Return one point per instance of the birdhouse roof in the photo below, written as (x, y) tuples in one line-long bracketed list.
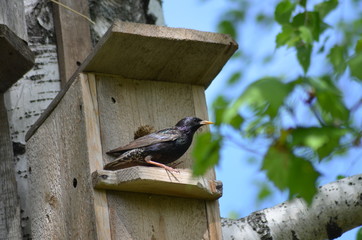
[(158, 53)]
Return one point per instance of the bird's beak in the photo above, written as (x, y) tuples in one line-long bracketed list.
[(205, 122)]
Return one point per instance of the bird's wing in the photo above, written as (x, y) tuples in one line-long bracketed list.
[(164, 135)]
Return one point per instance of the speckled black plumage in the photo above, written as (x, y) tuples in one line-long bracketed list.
[(159, 148)]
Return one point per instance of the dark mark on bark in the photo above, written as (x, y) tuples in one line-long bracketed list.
[(18, 148), (258, 222), (333, 230), (294, 235)]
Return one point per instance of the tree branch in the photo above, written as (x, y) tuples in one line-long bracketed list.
[(336, 208)]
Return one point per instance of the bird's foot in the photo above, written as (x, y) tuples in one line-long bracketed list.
[(170, 169)]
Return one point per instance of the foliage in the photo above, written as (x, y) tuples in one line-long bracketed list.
[(264, 108), (359, 234)]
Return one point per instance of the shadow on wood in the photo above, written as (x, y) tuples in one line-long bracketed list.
[(16, 58)]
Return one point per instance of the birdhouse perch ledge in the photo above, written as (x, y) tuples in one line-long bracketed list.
[(158, 181)]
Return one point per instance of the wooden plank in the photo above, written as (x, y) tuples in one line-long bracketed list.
[(148, 216), (212, 207), (73, 36), (12, 14), (157, 181), (94, 147), (16, 58), (142, 51), (61, 193), (9, 203)]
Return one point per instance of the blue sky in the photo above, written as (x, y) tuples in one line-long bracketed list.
[(240, 178)]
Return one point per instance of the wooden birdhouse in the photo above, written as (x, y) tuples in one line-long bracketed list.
[(137, 75)]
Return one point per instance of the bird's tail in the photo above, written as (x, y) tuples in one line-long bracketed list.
[(119, 164)]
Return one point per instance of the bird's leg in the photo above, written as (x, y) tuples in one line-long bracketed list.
[(149, 161), (175, 164)]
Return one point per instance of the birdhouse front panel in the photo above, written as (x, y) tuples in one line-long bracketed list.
[(126, 104)]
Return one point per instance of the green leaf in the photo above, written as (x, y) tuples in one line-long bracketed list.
[(236, 121), (325, 7), (227, 27), (219, 106), (339, 177), (337, 56), (266, 95), (322, 140), (205, 152), (306, 34), (288, 37), (359, 234), (277, 163), (233, 215), (355, 64), (304, 52), (283, 12), (234, 77), (358, 47), (287, 171), (329, 101), (311, 21), (235, 15), (226, 113), (264, 192), (303, 3), (303, 179), (259, 126)]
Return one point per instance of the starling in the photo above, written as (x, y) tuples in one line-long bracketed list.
[(158, 148)]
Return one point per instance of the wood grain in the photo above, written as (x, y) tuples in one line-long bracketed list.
[(126, 104), (61, 193), (9, 203), (94, 152), (148, 216), (157, 53), (154, 53), (73, 36), (212, 207), (156, 181), (89, 95)]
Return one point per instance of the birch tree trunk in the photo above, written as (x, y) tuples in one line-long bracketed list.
[(336, 209), (30, 96)]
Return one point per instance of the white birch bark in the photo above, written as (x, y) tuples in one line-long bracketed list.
[(336, 208)]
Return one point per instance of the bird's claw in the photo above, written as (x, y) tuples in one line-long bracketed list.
[(170, 169)]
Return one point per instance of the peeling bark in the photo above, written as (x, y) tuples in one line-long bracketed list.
[(104, 12), (335, 209)]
